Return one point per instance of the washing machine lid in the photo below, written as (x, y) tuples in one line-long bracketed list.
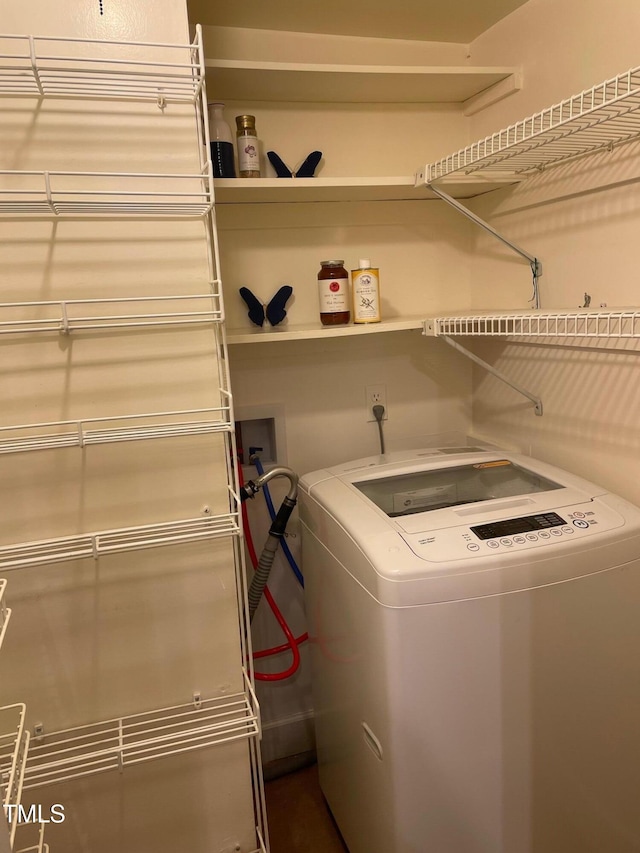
[(487, 523), (425, 494), (427, 490)]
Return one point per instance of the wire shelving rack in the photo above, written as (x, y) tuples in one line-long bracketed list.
[(82, 68), (92, 69), (603, 116), (86, 315), (540, 324), (550, 327), (99, 543), (107, 194), (25, 836), (96, 70), (109, 430)]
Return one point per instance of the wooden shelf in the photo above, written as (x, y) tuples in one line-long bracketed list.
[(241, 80), (308, 331), (294, 190)]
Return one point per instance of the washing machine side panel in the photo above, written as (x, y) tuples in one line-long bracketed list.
[(459, 695), (350, 676), (515, 719), (585, 712)]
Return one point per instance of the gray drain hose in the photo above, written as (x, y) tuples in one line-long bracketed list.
[(261, 574), (276, 531)]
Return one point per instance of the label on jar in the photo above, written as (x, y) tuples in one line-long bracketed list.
[(334, 295), (366, 296), (248, 154)]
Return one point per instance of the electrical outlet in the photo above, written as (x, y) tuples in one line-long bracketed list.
[(376, 395)]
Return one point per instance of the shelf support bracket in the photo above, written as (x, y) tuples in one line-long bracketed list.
[(537, 402), (534, 263)]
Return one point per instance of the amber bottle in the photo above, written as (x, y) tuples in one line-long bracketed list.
[(333, 293)]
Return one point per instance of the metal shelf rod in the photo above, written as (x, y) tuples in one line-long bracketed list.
[(5, 612), (537, 402), (534, 263)]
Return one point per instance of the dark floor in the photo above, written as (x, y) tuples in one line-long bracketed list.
[(299, 820)]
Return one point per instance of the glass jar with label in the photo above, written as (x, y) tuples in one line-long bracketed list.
[(333, 293)]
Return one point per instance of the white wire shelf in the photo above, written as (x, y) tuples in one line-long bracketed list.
[(112, 745), (40, 847), (83, 545), (81, 433), (5, 612), (81, 315), (262, 848), (25, 836), (548, 324), (605, 115), (14, 745), (87, 194), (91, 68)]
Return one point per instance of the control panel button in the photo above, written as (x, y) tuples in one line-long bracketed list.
[(519, 540), (555, 532), (473, 547), (567, 529), (578, 522), (506, 541), (578, 515), (532, 537), (545, 535), (493, 543)]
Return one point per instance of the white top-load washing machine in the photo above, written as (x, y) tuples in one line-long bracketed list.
[(475, 626)]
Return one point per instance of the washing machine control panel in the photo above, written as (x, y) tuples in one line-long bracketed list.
[(540, 529), (513, 526)]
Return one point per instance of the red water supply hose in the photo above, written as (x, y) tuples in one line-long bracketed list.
[(292, 642)]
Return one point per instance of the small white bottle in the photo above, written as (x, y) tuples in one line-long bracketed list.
[(365, 289)]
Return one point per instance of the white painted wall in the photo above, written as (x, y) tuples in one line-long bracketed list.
[(582, 220)]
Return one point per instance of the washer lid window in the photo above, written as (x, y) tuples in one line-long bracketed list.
[(423, 491)]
